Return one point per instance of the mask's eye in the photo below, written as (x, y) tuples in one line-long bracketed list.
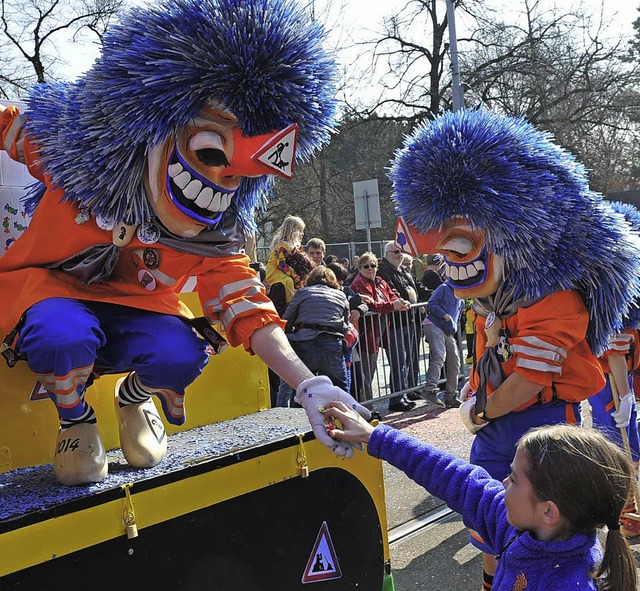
[(209, 148), (210, 157), (458, 245)]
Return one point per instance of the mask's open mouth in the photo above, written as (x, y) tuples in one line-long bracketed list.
[(193, 194), (468, 274)]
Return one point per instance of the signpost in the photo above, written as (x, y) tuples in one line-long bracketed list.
[(367, 203)]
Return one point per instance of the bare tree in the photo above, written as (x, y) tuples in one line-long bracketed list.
[(560, 71), (410, 61), (30, 30)]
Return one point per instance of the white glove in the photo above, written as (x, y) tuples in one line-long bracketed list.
[(466, 408), (315, 393), (622, 416), (465, 392)]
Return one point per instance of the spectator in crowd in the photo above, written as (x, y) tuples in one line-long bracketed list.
[(316, 250), (432, 276), (330, 258), (564, 484), (377, 294), (301, 265), (407, 263), (402, 329), (357, 309), (286, 241), (317, 321), (352, 270), (344, 261), (440, 327)]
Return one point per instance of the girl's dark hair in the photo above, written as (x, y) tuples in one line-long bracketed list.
[(589, 478), (322, 275), (338, 270)]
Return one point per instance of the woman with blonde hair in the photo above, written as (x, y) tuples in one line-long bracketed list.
[(287, 241)]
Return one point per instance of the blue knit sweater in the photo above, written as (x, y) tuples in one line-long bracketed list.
[(469, 490)]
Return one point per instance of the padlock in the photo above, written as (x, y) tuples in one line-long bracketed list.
[(132, 531), (304, 471)]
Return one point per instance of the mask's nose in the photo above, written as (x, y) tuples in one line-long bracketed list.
[(271, 153)]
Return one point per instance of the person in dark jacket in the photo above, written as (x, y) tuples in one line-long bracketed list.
[(317, 321), (403, 326), (357, 309), (439, 328)]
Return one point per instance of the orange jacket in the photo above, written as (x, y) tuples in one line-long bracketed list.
[(229, 289), (626, 343), (548, 346)]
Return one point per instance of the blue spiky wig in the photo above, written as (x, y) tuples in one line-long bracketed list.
[(632, 216), (261, 59), (532, 201)]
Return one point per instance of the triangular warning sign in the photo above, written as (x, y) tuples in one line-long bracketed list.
[(404, 237), (323, 562), (279, 152), (38, 392)]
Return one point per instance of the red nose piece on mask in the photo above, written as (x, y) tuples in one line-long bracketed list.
[(271, 153), (415, 243)]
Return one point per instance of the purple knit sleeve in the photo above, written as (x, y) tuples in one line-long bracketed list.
[(467, 489)]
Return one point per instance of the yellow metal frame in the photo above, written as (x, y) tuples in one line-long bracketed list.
[(74, 531)]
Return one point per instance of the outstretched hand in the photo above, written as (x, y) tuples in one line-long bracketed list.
[(318, 393), (348, 424)]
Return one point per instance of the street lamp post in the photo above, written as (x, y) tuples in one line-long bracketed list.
[(456, 87)]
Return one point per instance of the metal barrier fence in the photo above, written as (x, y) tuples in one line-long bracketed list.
[(391, 357)]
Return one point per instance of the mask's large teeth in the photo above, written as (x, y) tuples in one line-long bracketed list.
[(175, 169), (226, 200), (471, 271), (205, 198), (462, 273), (215, 202), (453, 273), (182, 180), (192, 190), (479, 265)]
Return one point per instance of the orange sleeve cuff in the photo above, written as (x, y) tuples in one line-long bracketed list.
[(241, 329)]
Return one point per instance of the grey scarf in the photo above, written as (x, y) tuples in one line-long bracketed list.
[(98, 262), (495, 307)]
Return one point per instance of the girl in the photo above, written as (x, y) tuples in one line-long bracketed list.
[(287, 240), (541, 522)]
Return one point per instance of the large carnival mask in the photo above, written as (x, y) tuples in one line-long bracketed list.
[(472, 271), (193, 178)]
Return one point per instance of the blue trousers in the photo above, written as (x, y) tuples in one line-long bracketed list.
[(63, 339)]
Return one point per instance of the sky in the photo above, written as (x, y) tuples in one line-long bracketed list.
[(356, 20)]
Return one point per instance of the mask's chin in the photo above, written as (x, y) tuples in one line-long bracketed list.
[(183, 200)]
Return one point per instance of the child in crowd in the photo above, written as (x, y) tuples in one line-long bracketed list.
[(287, 240), (541, 522)]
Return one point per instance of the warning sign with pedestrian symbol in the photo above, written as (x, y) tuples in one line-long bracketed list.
[(323, 562)]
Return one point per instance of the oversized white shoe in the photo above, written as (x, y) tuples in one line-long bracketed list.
[(143, 438), (79, 457)]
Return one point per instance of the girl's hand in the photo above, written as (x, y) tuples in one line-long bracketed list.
[(355, 429)]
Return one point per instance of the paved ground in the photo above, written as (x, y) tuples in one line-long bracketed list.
[(440, 558)]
